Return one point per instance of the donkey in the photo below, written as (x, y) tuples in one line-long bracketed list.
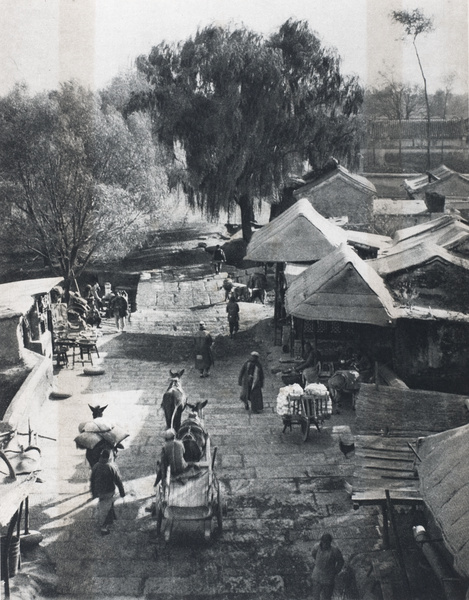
[(174, 401), (93, 454), (192, 433)]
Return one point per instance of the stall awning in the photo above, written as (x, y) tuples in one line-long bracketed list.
[(341, 287)]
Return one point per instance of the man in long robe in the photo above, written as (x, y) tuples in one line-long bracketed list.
[(251, 380)]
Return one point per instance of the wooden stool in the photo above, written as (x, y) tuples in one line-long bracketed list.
[(86, 348), (61, 354)]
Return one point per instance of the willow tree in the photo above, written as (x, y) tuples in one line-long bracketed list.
[(241, 107)]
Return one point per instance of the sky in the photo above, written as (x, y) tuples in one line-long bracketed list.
[(44, 42)]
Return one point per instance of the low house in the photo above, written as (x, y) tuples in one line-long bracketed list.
[(447, 231), (432, 334), (441, 180), (337, 193)]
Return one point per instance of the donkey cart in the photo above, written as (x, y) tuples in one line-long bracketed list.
[(192, 497), (306, 410)]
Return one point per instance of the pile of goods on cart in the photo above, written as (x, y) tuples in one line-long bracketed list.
[(304, 407)]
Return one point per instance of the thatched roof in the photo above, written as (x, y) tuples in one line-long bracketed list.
[(300, 234), (341, 287), (16, 298), (402, 258), (444, 485)]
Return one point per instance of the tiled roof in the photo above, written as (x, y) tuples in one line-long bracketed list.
[(338, 171), (426, 181), (413, 256)]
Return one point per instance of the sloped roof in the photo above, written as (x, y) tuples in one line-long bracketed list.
[(368, 240), (341, 287), (292, 270), (428, 180), (401, 258), (444, 486), (300, 234), (389, 206), (444, 231), (338, 171), (16, 298)]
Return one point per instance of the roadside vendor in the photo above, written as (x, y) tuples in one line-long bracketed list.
[(311, 366)]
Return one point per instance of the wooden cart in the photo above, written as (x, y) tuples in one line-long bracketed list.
[(306, 410), (181, 499)]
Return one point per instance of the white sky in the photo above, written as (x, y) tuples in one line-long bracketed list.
[(43, 42)]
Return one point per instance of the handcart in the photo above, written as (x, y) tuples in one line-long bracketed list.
[(188, 498), (306, 410)]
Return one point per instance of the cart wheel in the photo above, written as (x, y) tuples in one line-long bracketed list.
[(219, 510), (305, 429), (159, 520), (208, 529)]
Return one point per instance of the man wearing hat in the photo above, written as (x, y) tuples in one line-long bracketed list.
[(203, 351), (172, 455), (251, 380), (105, 477)]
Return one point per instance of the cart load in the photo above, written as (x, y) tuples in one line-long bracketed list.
[(307, 407)]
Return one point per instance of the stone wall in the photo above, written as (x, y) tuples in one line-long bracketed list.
[(26, 403)]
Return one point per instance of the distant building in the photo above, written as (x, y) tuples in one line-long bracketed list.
[(394, 146)]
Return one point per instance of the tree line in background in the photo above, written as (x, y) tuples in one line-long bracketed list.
[(400, 101)]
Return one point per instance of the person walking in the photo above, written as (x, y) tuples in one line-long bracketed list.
[(219, 258), (227, 286), (203, 350), (105, 477), (232, 308), (251, 380), (119, 308), (328, 562)]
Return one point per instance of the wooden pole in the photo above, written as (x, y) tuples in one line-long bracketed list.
[(400, 554)]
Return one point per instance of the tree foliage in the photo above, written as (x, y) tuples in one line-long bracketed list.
[(79, 181), (244, 109)]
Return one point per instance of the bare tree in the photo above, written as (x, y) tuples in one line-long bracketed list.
[(416, 23)]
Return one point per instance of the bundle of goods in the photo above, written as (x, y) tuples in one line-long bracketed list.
[(319, 393), (286, 397)]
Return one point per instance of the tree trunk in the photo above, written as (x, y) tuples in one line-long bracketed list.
[(247, 216)]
